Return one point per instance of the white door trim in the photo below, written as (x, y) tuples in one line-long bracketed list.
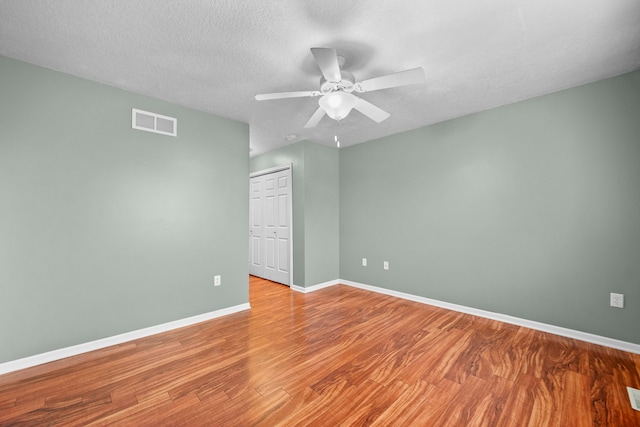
[(270, 170), (275, 169)]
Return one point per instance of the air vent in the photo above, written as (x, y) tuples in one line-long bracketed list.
[(634, 396), (152, 122)]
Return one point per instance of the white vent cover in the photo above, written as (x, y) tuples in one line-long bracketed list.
[(152, 122), (634, 396)]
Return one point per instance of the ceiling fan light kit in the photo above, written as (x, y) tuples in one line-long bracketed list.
[(337, 104), (336, 87)]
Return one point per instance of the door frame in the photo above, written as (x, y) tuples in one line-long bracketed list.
[(289, 168)]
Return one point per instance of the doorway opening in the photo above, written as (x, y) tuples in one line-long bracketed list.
[(270, 225)]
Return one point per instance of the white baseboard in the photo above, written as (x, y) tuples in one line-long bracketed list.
[(556, 330), (62, 353), (315, 287)]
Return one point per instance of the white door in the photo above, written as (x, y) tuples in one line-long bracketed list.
[(270, 226)]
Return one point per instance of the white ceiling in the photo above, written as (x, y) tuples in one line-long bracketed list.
[(215, 56)]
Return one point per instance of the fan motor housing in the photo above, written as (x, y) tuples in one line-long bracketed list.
[(346, 84)]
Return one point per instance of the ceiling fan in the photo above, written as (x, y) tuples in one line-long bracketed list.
[(337, 87)]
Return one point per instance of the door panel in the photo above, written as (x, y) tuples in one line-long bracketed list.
[(270, 211), (283, 256), (255, 228), (283, 182), (256, 249), (269, 183), (256, 217), (270, 261), (283, 212)]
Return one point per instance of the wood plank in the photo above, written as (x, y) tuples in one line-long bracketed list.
[(576, 401), (406, 408)]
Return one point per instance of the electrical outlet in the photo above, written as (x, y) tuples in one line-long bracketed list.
[(386, 265), (364, 262), (217, 281), (617, 300)]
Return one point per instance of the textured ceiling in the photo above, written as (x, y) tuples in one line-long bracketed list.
[(215, 56)]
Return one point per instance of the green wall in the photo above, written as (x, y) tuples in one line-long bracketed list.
[(315, 208), (105, 229), (322, 213), (530, 210)]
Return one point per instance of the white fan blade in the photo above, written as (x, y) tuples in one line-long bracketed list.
[(315, 119), (281, 95), (403, 78), (368, 109), (327, 60)]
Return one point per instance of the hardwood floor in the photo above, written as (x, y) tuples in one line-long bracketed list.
[(337, 356)]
